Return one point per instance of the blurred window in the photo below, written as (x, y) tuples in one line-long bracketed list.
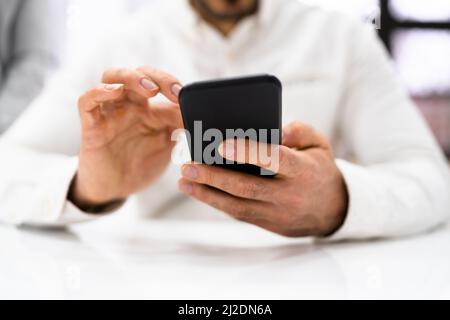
[(419, 10), (417, 33), (423, 60)]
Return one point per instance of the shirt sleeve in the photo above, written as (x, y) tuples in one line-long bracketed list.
[(399, 181), (33, 55), (39, 153), (39, 161), (36, 188)]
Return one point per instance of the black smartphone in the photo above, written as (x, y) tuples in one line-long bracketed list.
[(238, 108)]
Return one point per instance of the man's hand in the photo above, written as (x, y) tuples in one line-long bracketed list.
[(307, 198), (126, 142)]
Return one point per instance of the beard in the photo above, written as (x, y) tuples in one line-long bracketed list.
[(235, 10)]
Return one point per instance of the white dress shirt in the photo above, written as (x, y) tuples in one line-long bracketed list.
[(336, 77)]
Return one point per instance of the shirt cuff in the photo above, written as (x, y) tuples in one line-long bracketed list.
[(72, 214), (361, 221), (56, 210)]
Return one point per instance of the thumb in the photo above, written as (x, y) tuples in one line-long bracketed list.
[(300, 136)]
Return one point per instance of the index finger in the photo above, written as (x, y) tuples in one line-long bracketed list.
[(169, 85), (234, 183), (133, 80), (103, 93), (278, 159)]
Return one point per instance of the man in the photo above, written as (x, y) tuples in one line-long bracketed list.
[(26, 54), (374, 169)]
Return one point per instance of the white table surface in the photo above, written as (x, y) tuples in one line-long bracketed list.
[(119, 257)]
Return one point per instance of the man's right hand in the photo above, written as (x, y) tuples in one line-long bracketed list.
[(126, 141)]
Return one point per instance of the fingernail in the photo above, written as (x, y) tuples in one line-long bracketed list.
[(228, 150), (113, 87), (148, 85), (190, 172), (186, 188), (176, 89)]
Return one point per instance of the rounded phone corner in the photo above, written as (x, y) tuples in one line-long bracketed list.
[(274, 80), (182, 94)]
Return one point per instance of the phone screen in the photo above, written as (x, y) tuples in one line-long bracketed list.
[(247, 108)]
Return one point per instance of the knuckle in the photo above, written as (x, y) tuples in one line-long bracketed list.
[(208, 176), (199, 192), (298, 126), (162, 76), (142, 68), (85, 97), (146, 69), (114, 72), (215, 204), (167, 78), (81, 100), (226, 184), (239, 212), (107, 74), (250, 189), (123, 73)]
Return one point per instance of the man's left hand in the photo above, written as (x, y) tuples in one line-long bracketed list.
[(308, 197)]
